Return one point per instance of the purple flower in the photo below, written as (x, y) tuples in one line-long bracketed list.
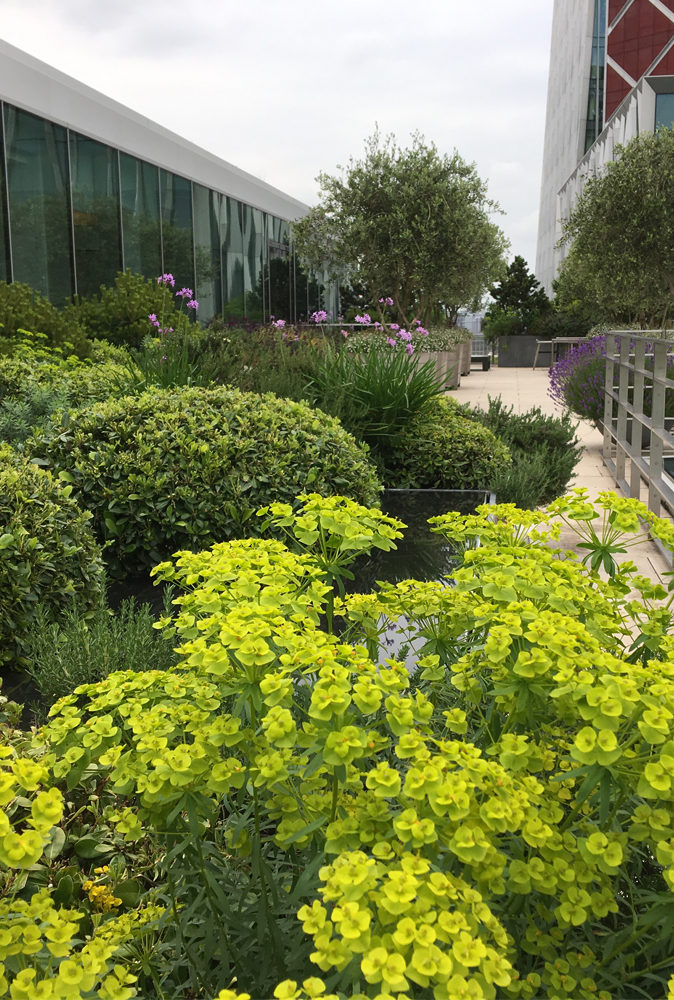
[(422, 331), (391, 341), (365, 318), (153, 319), (193, 304), (410, 348), (395, 326), (279, 324), (405, 335), (185, 293), (319, 316), (388, 301), (166, 279), (345, 333)]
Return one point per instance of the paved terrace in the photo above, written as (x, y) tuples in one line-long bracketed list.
[(523, 388)]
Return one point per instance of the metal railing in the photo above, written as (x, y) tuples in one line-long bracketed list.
[(638, 442)]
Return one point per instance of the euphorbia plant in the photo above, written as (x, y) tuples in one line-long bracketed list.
[(499, 824)]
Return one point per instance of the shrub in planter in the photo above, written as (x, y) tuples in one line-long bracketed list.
[(22, 308), (443, 449), (577, 380), (181, 468), (544, 450), (498, 824), (120, 313), (48, 555)]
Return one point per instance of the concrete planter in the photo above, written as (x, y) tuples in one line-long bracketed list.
[(517, 352), (447, 365), (464, 357)]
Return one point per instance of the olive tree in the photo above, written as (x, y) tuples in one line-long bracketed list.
[(411, 224), (621, 236)]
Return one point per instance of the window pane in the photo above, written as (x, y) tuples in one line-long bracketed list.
[(176, 228), (664, 111), (39, 204), (232, 257), (140, 216), (253, 274), (94, 176), (280, 269), (207, 251), (5, 273)]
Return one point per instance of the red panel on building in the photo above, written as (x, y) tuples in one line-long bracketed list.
[(638, 38), (666, 65), (616, 90), (614, 7)]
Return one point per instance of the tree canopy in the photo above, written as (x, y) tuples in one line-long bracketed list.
[(406, 223), (621, 236)]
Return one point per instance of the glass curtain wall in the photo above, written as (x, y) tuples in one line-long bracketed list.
[(141, 222), (231, 223), (94, 178), (176, 228), (5, 266), (595, 97), (38, 188), (74, 212)]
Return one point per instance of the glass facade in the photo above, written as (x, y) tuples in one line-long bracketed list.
[(75, 211), (38, 203), (595, 98)]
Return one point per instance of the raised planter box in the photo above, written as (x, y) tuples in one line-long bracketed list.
[(447, 365), (517, 352)]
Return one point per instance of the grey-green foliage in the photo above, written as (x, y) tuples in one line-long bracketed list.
[(544, 450), (82, 649), (621, 236), (407, 223)]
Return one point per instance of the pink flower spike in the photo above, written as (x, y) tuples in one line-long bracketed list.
[(391, 341), (410, 348)]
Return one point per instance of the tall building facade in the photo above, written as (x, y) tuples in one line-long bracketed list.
[(89, 188), (611, 78)]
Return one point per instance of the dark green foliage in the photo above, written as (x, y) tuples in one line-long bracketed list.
[(182, 468), (519, 303), (544, 449), (81, 649), (442, 449), (48, 556), (22, 308), (375, 395), (120, 314)]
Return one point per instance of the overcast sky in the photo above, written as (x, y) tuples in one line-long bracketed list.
[(287, 89)]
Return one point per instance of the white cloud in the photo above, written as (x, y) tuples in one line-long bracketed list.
[(285, 90)]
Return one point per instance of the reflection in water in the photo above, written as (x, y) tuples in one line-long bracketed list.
[(421, 555)]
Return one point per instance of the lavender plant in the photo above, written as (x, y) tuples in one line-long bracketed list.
[(577, 379)]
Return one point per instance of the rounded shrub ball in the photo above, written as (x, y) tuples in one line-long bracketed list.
[(48, 555), (442, 449), (183, 468)]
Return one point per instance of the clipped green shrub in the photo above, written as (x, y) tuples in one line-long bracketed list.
[(48, 555), (181, 468), (22, 308), (120, 313), (442, 449)]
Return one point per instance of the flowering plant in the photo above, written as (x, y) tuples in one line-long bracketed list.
[(498, 824), (577, 380), (165, 357)]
